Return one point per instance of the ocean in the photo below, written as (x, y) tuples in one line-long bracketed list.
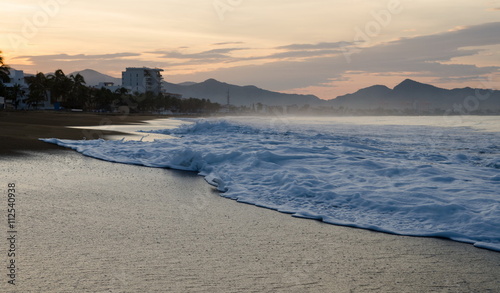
[(420, 176)]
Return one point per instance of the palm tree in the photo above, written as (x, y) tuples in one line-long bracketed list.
[(14, 93), (102, 99), (79, 92), (38, 86), (4, 76), (60, 86), (4, 70), (78, 80)]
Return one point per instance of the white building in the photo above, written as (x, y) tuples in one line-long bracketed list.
[(16, 77), (142, 79)]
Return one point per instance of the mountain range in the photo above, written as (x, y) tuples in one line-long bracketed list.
[(215, 91), (409, 94), (93, 78), (414, 95), (218, 91)]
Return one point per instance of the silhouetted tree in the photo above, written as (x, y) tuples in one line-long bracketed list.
[(121, 91), (14, 93), (4, 70), (79, 96), (4, 75), (60, 86), (38, 87), (102, 99), (147, 101)]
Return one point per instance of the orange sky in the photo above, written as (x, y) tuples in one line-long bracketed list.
[(326, 48)]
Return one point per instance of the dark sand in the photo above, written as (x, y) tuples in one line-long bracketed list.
[(86, 225), (19, 131)]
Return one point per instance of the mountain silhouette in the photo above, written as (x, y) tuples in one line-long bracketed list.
[(414, 95), (367, 98), (217, 91), (409, 94), (93, 78)]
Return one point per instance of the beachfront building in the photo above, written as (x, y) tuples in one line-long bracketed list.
[(16, 77), (142, 79), (18, 92)]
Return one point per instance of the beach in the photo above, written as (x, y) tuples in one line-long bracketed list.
[(86, 225), (21, 129)]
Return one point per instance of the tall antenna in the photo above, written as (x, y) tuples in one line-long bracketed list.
[(228, 99)]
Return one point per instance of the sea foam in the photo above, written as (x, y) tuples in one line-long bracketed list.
[(408, 180)]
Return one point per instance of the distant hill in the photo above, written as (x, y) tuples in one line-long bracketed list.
[(367, 98), (187, 83), (414, 95), (93, 78), (217, 91), (409, 94)]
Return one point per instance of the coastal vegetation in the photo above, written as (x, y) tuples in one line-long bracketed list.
[(72, 92), (60, 91), (4, 75)]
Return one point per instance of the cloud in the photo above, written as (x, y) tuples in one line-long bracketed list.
[(59, 57), (288, 52), (293, 55), (292, 66), (442, 46), (318, 46), (222, 53), (428, 55), (477, 78), (301, 51), (105, 63), (227, 43)]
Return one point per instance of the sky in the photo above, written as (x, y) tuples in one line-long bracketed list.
[(322, 47)]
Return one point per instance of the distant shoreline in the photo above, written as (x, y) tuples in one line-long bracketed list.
[(93, 226), (22, 129)]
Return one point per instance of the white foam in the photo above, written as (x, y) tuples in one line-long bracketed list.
[(403, 179)]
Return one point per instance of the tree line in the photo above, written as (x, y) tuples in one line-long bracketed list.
[(71, 92), (4, 76)]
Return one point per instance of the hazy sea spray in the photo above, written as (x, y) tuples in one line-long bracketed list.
[(397, 179)]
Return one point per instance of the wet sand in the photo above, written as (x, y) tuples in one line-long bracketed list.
[(19, 131), (86, 225)]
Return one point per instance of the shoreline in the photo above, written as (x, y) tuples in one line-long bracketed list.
[(21, 130), (87, 225), (470, 241)]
